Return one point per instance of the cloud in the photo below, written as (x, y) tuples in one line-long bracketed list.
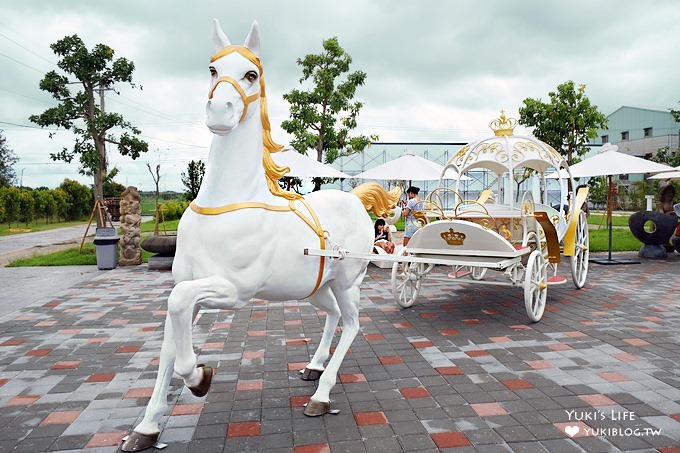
[(437, 70)]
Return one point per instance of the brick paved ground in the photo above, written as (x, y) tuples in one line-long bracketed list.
[(462, 369)]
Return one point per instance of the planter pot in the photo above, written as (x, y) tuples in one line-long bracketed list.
[(164, 248), (161, 245)]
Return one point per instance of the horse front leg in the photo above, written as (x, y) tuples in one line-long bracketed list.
[(348, 302), (325, 300), (177, 351), (146, 433), (182, 306)]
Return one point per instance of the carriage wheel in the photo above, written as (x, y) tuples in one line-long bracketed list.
[(478, 273), (535, 285), (579, 262), (406, 280)]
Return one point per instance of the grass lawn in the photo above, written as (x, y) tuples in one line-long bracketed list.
[(39, 225), (170, 225), (622, 240), (68, 257), (601, 219)]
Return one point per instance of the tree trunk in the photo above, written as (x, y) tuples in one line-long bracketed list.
[(319, 157), (99, 181)]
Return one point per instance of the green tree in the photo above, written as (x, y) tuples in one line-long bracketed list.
[(7, 159), (78, 199), (61, 203), (10, 204), (193, 178), (322, 117), (676, 114), (664, 156), (567, 122), (45, 204), (95, 71), (26, 206), (598, 190), (112, 189)]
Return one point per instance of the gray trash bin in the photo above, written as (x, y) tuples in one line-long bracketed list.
[(106, 244)]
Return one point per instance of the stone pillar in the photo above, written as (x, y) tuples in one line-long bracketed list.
[(130, 228), (650, 200)]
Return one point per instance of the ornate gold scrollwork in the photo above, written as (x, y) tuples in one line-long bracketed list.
[(427, 209), (528, 207), (435, 199), (505, 232), (467, 207)]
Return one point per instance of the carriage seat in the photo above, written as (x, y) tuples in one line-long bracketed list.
[(381, 263)]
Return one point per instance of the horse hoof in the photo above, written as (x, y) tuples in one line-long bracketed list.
[(311, 375), (138, 442), (202, 388), (316, 408)]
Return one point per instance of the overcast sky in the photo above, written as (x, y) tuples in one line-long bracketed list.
[(437, 70)]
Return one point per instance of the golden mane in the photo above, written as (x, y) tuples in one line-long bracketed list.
[(272, 171), (376, 199)]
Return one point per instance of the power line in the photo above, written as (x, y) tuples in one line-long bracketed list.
[(147, 109), (22, 63), (150, 109), (28, 50), (22, 95), (27, 126)]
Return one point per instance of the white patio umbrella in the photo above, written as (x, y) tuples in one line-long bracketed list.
[(409, 167), (609, 162), (670, 175), (304, 166)]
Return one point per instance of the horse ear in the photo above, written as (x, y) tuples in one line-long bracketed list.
[(220, 40), (253, 39)]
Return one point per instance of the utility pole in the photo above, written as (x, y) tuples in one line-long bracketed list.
[(100, 144), (101, 90)]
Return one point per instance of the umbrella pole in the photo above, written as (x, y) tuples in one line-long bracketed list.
[(610, 201), (610, 207)]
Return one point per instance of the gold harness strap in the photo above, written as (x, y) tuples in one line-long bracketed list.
[(270, 167), (314, 223), (246, 99)]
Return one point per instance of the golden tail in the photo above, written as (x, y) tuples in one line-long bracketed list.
[(376, 199)]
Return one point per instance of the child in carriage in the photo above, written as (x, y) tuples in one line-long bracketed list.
[(383, 238)]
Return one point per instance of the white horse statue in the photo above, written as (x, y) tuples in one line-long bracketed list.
[(244, 238)]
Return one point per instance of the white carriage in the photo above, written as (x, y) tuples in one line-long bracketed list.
[(522, 241)]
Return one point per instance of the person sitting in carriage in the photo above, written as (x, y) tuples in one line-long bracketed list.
[(383, 237)]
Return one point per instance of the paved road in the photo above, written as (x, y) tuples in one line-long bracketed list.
[(23, 286), (18, 245)]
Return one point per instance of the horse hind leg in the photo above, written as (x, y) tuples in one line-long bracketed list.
[(348, 303), (324, 299)]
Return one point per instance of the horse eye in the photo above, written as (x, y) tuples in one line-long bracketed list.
[(251, 76), (213, 72)]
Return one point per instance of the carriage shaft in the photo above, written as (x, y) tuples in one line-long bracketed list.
[(446, 260)]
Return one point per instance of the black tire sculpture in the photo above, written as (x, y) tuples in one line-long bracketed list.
[(660, 228)]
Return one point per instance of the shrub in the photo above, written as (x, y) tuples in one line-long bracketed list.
[(26, 207), (80, 199), (173, 210), (10, 205)]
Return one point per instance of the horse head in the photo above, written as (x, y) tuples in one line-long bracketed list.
[(235, 81)]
